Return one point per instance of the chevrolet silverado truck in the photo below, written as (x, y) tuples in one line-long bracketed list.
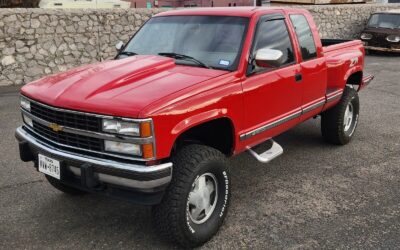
[(156, 124)]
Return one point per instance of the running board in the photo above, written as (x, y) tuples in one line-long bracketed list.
[(267, 156)]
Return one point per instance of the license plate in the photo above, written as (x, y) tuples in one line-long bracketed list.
[(49, 166)]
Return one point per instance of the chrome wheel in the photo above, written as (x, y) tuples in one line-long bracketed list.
[(348, 117), (203, 198)]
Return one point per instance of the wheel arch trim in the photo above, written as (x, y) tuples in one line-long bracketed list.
[(201, 119)]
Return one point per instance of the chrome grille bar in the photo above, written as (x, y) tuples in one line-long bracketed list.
[(74, 138)]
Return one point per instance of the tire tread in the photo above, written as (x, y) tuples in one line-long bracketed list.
[(332, 119), (185, 162)]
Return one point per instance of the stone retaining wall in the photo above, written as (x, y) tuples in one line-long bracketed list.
[(37, 42)]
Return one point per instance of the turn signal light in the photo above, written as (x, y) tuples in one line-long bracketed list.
[(145, 129), (147, 151)]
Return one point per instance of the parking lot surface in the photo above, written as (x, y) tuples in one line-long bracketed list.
[(314, 196)]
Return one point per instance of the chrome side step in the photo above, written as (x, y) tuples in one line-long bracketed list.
[(267, 156)]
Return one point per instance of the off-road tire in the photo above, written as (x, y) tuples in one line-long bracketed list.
[(332, 120), (171, 217), (64, 188)]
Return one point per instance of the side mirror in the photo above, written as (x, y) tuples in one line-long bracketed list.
[(269, 57), (119, 45)]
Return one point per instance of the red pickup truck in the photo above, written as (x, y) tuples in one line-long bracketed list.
[(191, 88)]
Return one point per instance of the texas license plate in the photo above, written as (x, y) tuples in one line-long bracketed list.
[(49, 166)]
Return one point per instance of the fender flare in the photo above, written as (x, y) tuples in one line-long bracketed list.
[(354, 62), (202, 119), (350, 72), (198, 119)]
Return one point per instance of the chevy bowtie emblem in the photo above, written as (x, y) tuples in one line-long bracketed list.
[(55, 127)]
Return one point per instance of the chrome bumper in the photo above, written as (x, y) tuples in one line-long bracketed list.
[(382, 49), (137, 176)]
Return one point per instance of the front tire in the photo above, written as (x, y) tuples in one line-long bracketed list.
[(339, 123), (197, 199)]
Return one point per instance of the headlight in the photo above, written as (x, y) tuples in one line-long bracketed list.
[(393, 38), (27, 120), (25, 104), (366, 36), (123, 148), (137, 128), (121, 127), (142, 129)]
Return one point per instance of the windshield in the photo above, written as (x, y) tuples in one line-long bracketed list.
[(390, 21), (213, 40)]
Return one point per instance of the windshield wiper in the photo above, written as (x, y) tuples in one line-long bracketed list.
[(127, 53), (184, 57)]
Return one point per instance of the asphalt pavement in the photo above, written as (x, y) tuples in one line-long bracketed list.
[(313, 196)]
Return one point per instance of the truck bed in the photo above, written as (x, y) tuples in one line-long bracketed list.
[(341, 55), (329, 42), (330, 45)]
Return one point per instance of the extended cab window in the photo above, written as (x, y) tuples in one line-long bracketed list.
[(305, 37), (273, 34)]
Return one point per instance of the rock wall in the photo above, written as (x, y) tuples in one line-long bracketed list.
[(38, 42)]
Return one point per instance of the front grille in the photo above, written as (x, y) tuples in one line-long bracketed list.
[(74, 140), (379, 40), (72, 120), (69, 141)]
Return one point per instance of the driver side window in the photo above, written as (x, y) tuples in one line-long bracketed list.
[(273, 34)]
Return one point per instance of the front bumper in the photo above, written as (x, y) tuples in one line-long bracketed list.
[(137, 182), (382, 49)]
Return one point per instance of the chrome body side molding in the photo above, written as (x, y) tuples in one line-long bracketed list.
[(329, 98), (270, 125)]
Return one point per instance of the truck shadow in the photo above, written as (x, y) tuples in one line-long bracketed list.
[(109, 223), (99, 221)]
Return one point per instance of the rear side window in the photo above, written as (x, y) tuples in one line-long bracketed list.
[(274, 35), (305, 37)]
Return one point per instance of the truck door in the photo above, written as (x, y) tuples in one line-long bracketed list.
[(313, 66), (272, 97)]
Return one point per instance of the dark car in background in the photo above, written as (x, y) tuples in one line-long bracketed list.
[(19, 3), (382, 32)]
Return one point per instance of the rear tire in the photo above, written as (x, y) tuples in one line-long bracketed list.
[(197, 199), (339, 123), (64, 188)]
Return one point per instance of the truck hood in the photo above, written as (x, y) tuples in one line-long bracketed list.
[(117, 87), (385, 31)]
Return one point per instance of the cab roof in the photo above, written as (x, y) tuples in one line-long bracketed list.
[(219, 11)]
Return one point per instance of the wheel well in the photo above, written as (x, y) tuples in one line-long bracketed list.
[(217, 133), (355, 78)]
